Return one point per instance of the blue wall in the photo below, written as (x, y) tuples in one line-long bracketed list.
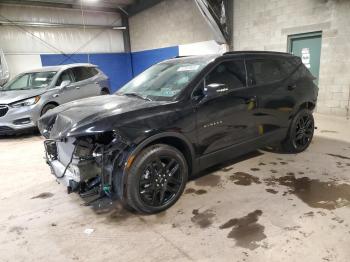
[(119, 67), (144, 59)]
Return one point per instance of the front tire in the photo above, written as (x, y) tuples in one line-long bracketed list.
[(300, 132), (156, 179), (47, 108)]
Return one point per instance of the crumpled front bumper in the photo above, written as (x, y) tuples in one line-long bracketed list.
[(69, 169)]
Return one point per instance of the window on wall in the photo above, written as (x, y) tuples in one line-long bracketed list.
[(231, 73), (263, 71)]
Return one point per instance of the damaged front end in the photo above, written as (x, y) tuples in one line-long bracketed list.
[(89, 164)]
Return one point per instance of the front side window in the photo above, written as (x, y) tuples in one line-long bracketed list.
[(31, 81), (164, 81), (232, 74), (65, 76), (264, 71)]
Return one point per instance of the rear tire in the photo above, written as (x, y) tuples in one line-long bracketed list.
[(47, 108), (300, 132), (156, 179)]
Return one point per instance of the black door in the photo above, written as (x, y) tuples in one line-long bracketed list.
[(228, 119), (268, 79)]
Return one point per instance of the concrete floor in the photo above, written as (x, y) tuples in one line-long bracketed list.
[(263, 207)]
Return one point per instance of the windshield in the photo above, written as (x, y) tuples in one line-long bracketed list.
[(31, 81), (164, 81)]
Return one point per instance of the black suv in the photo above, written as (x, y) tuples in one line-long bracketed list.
[(175, 119)]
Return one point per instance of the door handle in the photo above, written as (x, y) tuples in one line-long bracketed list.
[(77, 87), (292, 87)]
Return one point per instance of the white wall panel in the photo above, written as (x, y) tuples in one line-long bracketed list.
[(22, 49), (67, 40), (202, 48), (21, 63), (57, 15)]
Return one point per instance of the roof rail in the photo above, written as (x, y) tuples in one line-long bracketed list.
[(256, 52)]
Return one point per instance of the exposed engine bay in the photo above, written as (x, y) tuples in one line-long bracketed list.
[(87, 165)]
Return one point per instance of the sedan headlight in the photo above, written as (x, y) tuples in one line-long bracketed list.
[(27, 102)]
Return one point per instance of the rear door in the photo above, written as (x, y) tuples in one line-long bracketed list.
[(85, 82), (268, 78)]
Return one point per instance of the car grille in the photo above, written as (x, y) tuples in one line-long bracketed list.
[(3, 110)]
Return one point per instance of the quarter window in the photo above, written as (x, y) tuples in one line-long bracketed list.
[(231, 74)]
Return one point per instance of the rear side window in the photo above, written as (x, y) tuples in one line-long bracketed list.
[(265, 71), (81, 73), (230, 73)]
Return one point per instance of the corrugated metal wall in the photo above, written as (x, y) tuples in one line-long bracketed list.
[(22, 46)]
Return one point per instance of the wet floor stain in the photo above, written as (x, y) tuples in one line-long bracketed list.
[(309, 214), (272, 191), (315, 193), (255, 169), (328, 131), (201, 192), (262, 164), (226, 169), (245, 230), (283, 163), (44, 195), (194, 191), (190, 191), (339, 156), (244, 179), (273, 171), (17, 230), (208, 180), (203, 219)]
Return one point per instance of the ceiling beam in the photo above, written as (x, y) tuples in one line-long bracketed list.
[(141, 5), (63, 4)]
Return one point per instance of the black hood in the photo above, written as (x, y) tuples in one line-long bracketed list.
[(91, 115)]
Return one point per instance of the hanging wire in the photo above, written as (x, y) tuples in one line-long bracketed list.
[(84, 26), (37, 37)]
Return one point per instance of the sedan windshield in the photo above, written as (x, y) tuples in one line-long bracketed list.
[(31, 81), (164, 81)]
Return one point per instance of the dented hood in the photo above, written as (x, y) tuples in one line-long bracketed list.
[(85, 116)]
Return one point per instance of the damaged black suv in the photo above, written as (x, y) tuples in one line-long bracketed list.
[(180, 116)]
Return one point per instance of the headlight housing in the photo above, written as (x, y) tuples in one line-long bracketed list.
[(27, 102)]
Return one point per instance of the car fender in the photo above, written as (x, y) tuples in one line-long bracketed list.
[(121, 175)]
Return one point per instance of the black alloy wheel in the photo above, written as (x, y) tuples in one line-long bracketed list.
[(304, 131), (156, 179), (300, 133), (160, 181)]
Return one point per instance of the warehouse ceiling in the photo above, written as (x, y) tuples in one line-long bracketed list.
[(126, 6)]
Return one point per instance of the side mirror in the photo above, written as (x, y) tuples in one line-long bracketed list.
[(64, 84), (213, 91)]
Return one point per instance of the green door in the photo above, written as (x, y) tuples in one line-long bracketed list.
[(308, 48)]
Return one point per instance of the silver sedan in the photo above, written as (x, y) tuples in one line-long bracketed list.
[(31, 94)]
